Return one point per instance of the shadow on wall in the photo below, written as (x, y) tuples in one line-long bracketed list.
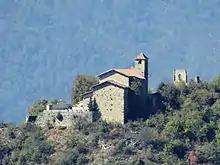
[(155, 103), (139, 108)]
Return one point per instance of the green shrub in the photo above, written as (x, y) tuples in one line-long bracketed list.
[(176, 147)]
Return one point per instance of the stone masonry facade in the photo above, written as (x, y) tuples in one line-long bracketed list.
[(112, 95), (47, 118), (111, 103), (113, 91), (117, 78), (117, 102), (179, 75)]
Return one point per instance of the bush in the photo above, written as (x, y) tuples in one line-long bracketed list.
[(37, 108), (46, 148), (82, 160), (82, 149), (81, 84), (176, 147), (69, 159)]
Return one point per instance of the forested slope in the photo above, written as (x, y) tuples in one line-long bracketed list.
[(186, 122)]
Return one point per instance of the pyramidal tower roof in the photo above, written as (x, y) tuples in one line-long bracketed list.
[(141, 56)]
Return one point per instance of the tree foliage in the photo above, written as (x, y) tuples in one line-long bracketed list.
[(28, 145), (37, 107), (81, 84), (136, 86), (215, 84), (93, 106), (187, 129), (190, 118)]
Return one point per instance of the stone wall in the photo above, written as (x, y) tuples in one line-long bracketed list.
[(85, 102), (116, 77), (50, 117), (179, 75), (110, 100)]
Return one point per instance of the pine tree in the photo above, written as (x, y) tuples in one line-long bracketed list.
[(95, 105), (90, 105)]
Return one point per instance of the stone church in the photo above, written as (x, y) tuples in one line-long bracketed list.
[(121, 95), (113, 94)]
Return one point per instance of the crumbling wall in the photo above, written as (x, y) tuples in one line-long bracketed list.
[(66, 120)]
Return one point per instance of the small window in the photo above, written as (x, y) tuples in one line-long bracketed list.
[(139, 62), (179, 76)]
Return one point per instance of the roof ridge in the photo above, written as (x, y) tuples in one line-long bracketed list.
[(111, 82), (141, 56), (126, 72)]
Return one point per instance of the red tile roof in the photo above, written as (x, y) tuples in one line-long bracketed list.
[(125, 72), (141, 56), (130, 73)]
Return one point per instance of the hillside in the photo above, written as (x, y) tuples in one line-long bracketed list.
[(185, 129), (45, 44)]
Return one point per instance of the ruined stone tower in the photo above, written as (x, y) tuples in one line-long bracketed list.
[(180, 75)]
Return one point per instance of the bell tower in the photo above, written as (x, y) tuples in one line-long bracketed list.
[(141, 65)]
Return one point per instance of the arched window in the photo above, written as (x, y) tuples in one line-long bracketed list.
[(179, 76)]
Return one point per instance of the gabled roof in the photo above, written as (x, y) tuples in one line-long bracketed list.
[(130, 73), (141, 56), (110, 82), (87, 94), (105, 83), (124, 72)]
